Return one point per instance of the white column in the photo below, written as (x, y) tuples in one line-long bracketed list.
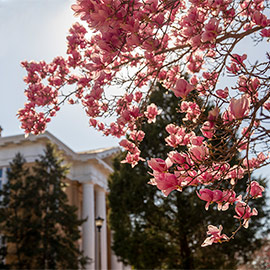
[(101, 211), (115, 263), (88, 227)]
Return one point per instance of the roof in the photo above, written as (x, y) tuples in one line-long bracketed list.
[(97, 154), (99, 150)]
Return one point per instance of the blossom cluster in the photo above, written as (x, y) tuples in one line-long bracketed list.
[(188, 46)]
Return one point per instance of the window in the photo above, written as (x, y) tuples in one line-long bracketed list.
[(3, 177)]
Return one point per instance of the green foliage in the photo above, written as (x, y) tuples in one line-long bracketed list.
[(40, 227), (158, 232)]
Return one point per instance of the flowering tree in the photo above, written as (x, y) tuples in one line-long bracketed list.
[(133, 44)]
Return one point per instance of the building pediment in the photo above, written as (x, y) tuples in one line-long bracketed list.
[(84, 166)]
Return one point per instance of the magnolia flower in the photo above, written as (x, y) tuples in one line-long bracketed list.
[(151, 113), (244, 212), (199, 153), (159, 165), (179, 158), (239, 108), (182, 88), (211, 30), (137, 135), (208, 129), (213, 114), (216, 236), (172, 129), (229, 197), (206, 195), (132, 159), (166, 182), (255, 190)]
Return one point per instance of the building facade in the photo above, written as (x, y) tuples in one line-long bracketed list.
[(86, 188)]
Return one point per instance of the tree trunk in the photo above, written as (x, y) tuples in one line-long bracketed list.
[(187, 259)]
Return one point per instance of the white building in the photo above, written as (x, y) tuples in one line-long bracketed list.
[(87, 187)]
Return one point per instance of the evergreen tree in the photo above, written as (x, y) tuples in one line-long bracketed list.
[(14, 212), (40, 227), (167, 232)]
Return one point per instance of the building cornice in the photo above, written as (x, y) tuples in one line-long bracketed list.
[(98, 155)]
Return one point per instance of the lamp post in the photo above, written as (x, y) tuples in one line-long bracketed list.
[(99, 222)]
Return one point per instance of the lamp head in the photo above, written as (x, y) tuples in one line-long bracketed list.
[(99, 222)]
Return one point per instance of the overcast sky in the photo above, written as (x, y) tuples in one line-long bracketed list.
[(36, 30)]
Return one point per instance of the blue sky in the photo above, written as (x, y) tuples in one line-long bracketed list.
[(36, 30)]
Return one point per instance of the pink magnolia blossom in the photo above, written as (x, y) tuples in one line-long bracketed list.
[(244, 212), (211, 30), (195, 63), (239, 108), (151, 113), (215, 236), (166, 182), (260, 19), (100, 126), (255, 162), (229, 197), (222, 198), (129, 146), (208, 129), (198, 153), (213, 114), (93, 122), (238, 58), (159, 165), (137, 135), (132, 159), (138, 96), (173, 140), (182, 88), (237, 63), (266, 105), (235, 173), (262, 158), (265, 32), (197, 140), (172, 129), (218, 198), (205, 177), (206, 195), (191, 109), (181, 159), (255, 190)]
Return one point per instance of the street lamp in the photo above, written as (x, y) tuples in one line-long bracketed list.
[(99, 222)]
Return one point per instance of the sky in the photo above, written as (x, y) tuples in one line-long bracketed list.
[(36, 30)]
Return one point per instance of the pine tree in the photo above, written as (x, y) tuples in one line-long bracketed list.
[(39, 224), (14, 212), (167, 232)]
